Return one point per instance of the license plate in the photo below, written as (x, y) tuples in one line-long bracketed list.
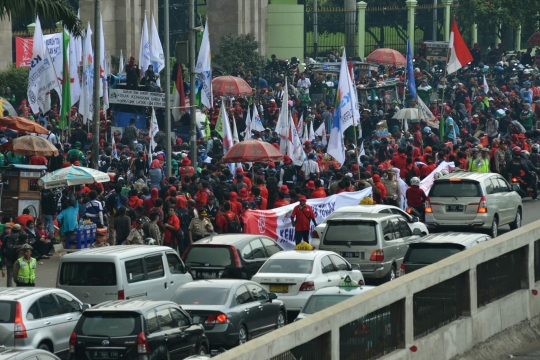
[(279, 288), (350, 254), (454, 207), (208, 275), (105, 354)]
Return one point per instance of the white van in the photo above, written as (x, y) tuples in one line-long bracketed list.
[(122, 272)]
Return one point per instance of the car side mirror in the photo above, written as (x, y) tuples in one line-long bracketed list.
[(415, 219), (196, 320), (417, 232), (272, 296), (85, 307), (355, 267)]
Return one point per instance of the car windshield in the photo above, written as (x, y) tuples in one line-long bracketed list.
[(201, 296), (110, 324), (287, 266), (321, 302), (208, 255), (430, 254), (340, 232), (88, 274), (455, 189)]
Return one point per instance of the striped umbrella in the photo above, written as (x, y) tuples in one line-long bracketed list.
[(74, 175)]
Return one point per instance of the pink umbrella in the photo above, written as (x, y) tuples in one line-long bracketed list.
[(230, 86), (387, 57)]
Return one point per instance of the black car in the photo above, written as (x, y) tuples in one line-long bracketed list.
[(234, 256), (137, 330)]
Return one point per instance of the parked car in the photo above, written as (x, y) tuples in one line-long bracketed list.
[(413, 221), (137, 330), (483, 201), (122, 272), (16, 354), (330, 296), (38, 318), (234, 256), (436, 247), (296, 275), (376, 242), (232, 311)]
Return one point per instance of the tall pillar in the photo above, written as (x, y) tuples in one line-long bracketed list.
[(411, 6), (361, 18), (6, 56), (498, 39), (350, 26), (474, 34), (518, 39), (447, 18)]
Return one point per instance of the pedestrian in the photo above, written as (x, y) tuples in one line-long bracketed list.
[(153, 228), (133, 74), (136, 235), (301, 217), (24, 269), (101, 240), (68, 217), (200, 227), (171, 229), (122, 225)]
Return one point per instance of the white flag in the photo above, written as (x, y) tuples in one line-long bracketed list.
[(301, 127), (79, 45), (113, 144), (204, 70), (157, 56), (486, 87), (321, 131), (75, 87), (85, 105), (311, 133), (235, 132), (42, 77), (121, 64), (144, 50), (247, 133), (294, 148), (106, 83), (101, 57), (282, 125), (426, 114), (256, 122), (154, 129)]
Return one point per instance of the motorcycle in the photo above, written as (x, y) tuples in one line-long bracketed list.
[(520, 186), (414, 212)]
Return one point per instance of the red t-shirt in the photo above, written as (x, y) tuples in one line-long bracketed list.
[(318, 194), (23, 219), (201, 198), (303, 217), (222, 222), (174, 221), (279, 203), (38, 160)]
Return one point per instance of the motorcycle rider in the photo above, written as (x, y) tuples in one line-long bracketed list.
[(416, 197), (522, 167)]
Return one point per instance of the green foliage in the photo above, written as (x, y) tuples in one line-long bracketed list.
[(115, 64), (241, 49), (17, 80)]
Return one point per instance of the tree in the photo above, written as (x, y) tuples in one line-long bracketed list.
[(54, 9), (17, 80), (236, 50)]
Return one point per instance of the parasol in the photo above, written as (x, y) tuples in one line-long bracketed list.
[(230, 86), (21, 124), (387, 57), (74, 175), (534, 40), (409, 114), (252, 151), (30, 145)]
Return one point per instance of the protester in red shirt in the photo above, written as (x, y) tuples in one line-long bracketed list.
[(301, 217), (319, 192), (150, 202), (171, 227), (264, 190), (223, 214), (38, 160), (24, 218), (280, 201), (201, 196), (380, 188), (261, 202), (416, 196), (232, 198), (134, 201)]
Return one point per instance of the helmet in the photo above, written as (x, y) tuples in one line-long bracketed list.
[(415, 181), (444, 172), (525, 153), (26, 247), (535, 148), (149, 241), (516, 150)]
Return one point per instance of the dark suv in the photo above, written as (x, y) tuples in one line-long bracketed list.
[(137, 330), (234, 256)]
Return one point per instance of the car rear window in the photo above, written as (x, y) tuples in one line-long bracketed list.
[(341, 232), (110, 323), (201, 296), (429, 254), (456, 188), (320, 302), (212, 255), (88, 274), (287, 266), (7, 311)]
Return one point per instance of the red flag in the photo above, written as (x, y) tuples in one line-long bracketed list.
[(459, 52), (350, 69)]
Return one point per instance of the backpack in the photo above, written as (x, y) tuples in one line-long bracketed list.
[(234, 225), (217, 148), (222, 188)]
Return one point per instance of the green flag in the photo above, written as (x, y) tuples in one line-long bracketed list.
[(66, 82), (219, 122), (207, 127)]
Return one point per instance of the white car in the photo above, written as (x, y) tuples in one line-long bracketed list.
[(413, 221), (295, 275)]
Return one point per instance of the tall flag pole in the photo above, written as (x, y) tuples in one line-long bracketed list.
[(66, 82), (459, 52)]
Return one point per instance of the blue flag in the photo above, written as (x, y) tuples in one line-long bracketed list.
[(411, 85)]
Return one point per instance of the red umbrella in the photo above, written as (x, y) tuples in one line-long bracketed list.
[(230, 86), (534, 40), (22, 124), (252, 150), (387, 57)]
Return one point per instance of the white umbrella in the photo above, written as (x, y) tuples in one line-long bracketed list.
[(73, 175), (409, 114), (10, 109)]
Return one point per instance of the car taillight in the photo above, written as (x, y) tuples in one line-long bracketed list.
[(236, 257), (121, 295), (314, 234), (142, 344), (427, 207), (482, 207), (307, 286), (217, 319), (361, 330), (408, 210), (186, 252), (514, 180), (377, 255), (403, 268), (20, 329), (72, 342)]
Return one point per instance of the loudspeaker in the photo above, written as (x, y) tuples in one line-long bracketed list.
[(182, 52)]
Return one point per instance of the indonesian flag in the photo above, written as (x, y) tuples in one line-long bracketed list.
[(459, 52)]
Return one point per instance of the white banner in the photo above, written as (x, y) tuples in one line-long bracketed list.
[(53, 42), (136, 98)]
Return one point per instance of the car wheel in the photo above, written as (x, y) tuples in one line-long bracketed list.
[(516, 224), (242, 335), (280, 320), (44, 346), (494, 230), (391, 274), (202, 350)]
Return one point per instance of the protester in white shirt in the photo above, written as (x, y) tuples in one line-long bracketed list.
[(304, 82)]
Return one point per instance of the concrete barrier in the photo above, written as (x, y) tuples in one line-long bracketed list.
[(455, 338)]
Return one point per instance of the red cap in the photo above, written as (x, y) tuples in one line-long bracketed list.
[(244, 193), (310, 185), (241, 171), (302, 198), (186, 161), (307, 143), (354, 167), (284, 189), (271, 165), (287, 159), (132, 57)]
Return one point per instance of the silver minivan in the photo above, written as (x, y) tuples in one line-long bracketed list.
[(122, 273), (38, 318), (376, 242)]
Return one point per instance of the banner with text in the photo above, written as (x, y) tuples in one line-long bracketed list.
[(136, 98), (24, 46), (276, 223)]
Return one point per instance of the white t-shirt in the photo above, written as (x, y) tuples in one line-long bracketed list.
[(305, 83), (310, 167)]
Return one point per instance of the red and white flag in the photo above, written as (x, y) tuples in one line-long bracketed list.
[(459, 52)]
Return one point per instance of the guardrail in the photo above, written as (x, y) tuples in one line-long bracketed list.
[(437, 312)]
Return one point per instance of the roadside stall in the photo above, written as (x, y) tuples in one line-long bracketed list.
[(20, 190)]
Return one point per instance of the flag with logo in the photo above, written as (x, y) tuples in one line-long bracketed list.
[(411, 84), (204, 70), (154, 129), (75, 82), (157, 56), (256, 122), (85, 105), (247, 133), (144, 50), (282, 126), (294, 146), (102, 60)]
